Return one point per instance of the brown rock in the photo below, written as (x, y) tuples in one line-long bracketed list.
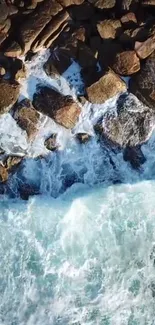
[(67, 3), (144, 49), (129, 20), (126, 63), (103, 4), (6, 26), (56, 35), (143, 83), (9, 93), (57, 63), (12, 162), (109, 85), (83, 137), (80, 34), (63, 109), (51, 143), (27, 117), (50, 30), (2, 71), (14, 50), (32, 27), (109, 29), (3, 174)]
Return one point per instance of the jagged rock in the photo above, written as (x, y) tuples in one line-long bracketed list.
[(109, 28), (57, 63), (107, 86), (3, 174), (144, 49), (63, 109), (56, 35), (12, 162), (129, 20), (53, 28), (126, 63), (83, 137), (9, 93), (67, 3), (27, 117), (2, 71), (135, 156), (32, 27), (103, 4), (82, 12), (14, 50), (130, 124), (51, 143), (142, 84)]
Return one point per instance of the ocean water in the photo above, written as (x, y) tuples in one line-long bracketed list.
[(82, 252)]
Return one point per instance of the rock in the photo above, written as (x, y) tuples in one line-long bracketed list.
[(126, 63), (135, 156), (63, 109), (14, 50), (127, 5), (142, 84), (144, 49), (129, 20), (146, 3), (6, 26), (57, 63), (53, 28), (108, 51), (67, 3), (109, 29), (4, 11), (27, 117), (55, 36), (79, 34), (12, 10), (82, 12), (83, 137), (130, 124), (103, 4), (51, 143), (12, 163), (130, 36), (2, 71), (9, 93), (36, 22), (108, 86), (85, 56), (3, 174)]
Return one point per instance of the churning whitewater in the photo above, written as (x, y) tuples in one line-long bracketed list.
[(83, 251)]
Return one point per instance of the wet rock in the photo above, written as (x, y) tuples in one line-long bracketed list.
[(144, 49), (126, 63), (103, 4), (9, 92), (52, 30), (63, 109), (135, 156), (67, 3), (57, 63), (33, 26), (3, 174), (14, 50), (107, 86), (85, 56), (143, 83), (83, 137), (12, 162), (27, 190), (27, 117), (109, 29), (51, 143), (131, 124)]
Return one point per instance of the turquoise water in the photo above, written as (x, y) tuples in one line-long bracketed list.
[(86, 257)]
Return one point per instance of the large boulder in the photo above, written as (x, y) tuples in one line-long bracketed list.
[(126, 63), (27, 117), (143, 83), (129, 124), (144, 49), (63, 109), (9, 93), (109, 85)]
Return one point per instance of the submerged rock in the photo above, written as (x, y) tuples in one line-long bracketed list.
[(135, 156), (131, 124), (63, 109)]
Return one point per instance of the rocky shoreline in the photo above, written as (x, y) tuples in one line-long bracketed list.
[(109, 40)]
